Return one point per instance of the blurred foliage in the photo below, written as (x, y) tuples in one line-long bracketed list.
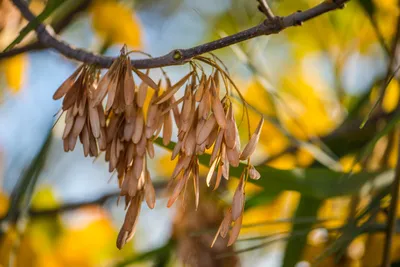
[(324, 182)]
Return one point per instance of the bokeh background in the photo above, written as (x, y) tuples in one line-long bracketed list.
[(315, 84)]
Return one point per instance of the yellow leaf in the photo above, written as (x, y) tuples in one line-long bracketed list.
[(116, 23), (44, 199), (4, 203), (13, 69), (391, 98)]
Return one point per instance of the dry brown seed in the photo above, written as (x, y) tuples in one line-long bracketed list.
[(172, 90), (205, 105), (82, 104), (84, 137), (102, 118), (218, 110), (129, 83), (112, 91), (113, 155), (225, 161), (238, 200), (233, 156), (175, 111), (190, 143), (235, 230), (72, 142), (230, 131), (167, 129), (128, 228), (212, 137), (152, 113), (78, 125), (101, 90), (205, 131), (183, 162), (177, 190), (94, 121), (149, 192), (66, 144), (139, 124), (130, 152), (211, 172), (141, 146), (128, 130), (219, 176), (196, 183), (72, 95), (200, 89), (138, 166), (224, 226), (68, 126), (217, 146), (176, 150), (150, 148), (132, 183), (251, 145), (145, 78), (187, 106), (254, 174), (103, 140), (141, 94), (67, 84), (226, 223)]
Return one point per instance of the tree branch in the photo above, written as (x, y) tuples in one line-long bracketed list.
[(58, 26), (178, 56)]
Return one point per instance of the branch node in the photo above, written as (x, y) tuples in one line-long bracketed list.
[(339, 4), (177, 55)]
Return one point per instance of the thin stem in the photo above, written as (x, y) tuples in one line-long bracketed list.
[(177, 56), (264, 8)]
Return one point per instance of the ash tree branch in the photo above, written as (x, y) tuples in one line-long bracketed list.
[(178, 56)]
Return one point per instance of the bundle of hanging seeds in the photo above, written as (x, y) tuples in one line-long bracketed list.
[(126, 132)]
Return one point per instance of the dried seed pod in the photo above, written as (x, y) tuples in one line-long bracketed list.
[(141, 95), (205, 131), (235, 230), (178, 188), (238, 200), (172, 90), (167, 129), (145, 78), (67, 84), (224, 226), (230, 131), (254, 174), (149, 192), (251, 145), (129, 84), (128, 228), (211, 172), (219, 112)]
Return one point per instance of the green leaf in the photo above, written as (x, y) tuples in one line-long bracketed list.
[(158, 254), (48, 10), (308, 207), (368, 6), (320, 183)]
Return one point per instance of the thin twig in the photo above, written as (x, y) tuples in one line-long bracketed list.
[(264, 8), (58, 26), (390, 229), (177, 56)]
